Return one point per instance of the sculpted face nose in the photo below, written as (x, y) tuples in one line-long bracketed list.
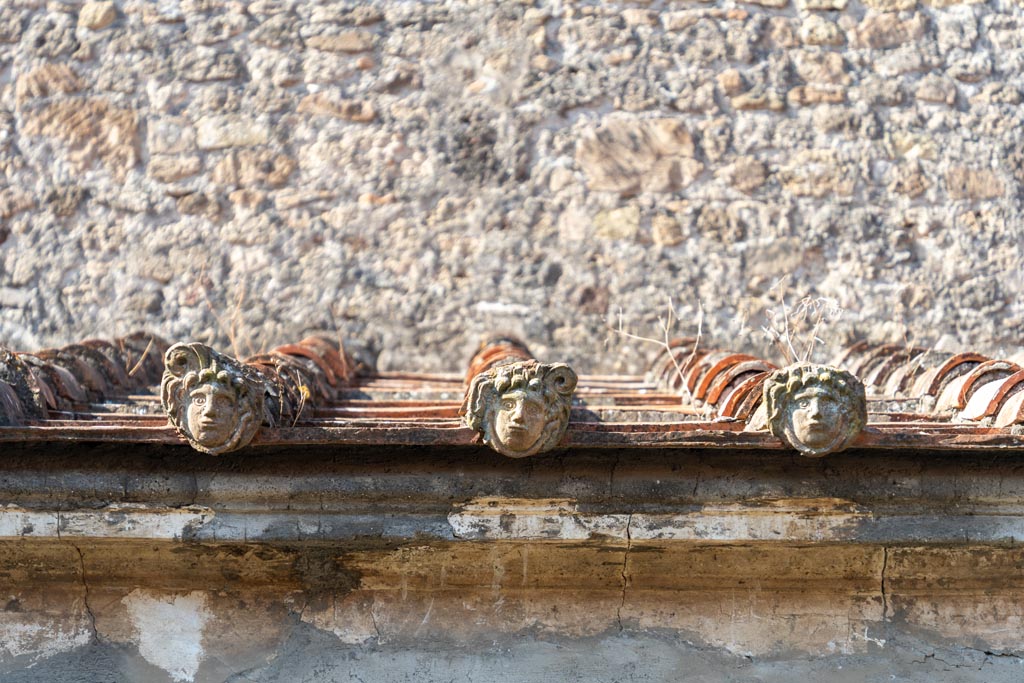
[(814, 409)]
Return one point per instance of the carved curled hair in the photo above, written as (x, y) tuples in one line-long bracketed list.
[(212, 375)]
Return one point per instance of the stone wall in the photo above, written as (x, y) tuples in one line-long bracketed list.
[(414, 174)]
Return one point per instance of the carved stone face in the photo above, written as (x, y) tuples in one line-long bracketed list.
[(213, 401), (816, 409), (816, 417), (519, 420), (212, 414), (520, 408)]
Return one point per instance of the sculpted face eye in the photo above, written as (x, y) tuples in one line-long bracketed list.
[(803, 403), (507, 405), (199, 400)]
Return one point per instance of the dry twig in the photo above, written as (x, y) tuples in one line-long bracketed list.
[(667, 324), (799, 326)]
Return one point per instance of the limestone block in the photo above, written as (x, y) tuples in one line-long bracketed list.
[(617, 224), (279, 31), (198, 203), (289, 199), (248, 199), (905, 59), (254, 167), (46, 81), (818, 173), (170, 135), (169, 168), (50, 35), (680, 19), (354, 40), (908, 179), (970, 183), (666, 231), (997, 93), (957, 28), (823, 5), (942, 4), (821, 67), (746, 173), (207, 64), (14, 201), (913, 145), (10, 24), (716, 136), (781, 32), (971, 68), (639, 17), (731, 82), (804, 95), (817, 30), (759, 98), (230, 130), (890, 5), (97, 15), (880, 92), (630, 155), (698, 99), (935, 88), (885, 30), (209, 29), (361, 111), (93, 129)]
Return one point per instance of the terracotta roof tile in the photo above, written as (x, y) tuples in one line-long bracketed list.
[(316, 392)]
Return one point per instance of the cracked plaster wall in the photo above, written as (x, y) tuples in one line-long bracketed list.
[(426, 564), (314, 657), (459, 612), (415, 174)]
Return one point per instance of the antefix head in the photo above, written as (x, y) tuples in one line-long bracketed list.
[(210, 399), (521, 408)]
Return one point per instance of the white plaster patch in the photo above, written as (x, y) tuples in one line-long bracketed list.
[(169, 630), (114, 521), (128, 521), (812, 519), (40, 637), (16, 522), (524, 518)]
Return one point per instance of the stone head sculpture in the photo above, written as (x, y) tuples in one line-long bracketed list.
[(521, 408), (816, 409), (210, 399)]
